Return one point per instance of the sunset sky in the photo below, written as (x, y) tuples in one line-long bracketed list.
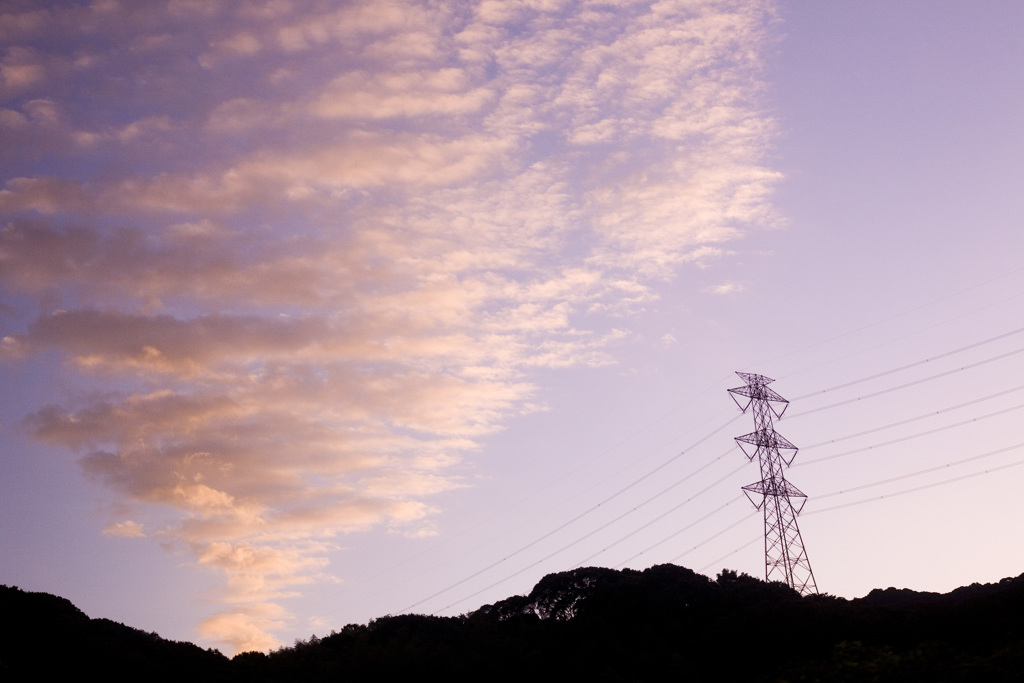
[(312, 312)]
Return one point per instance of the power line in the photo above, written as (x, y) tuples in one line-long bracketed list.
[(679, 531), (922, 417), (918, 473), (660, 467), (711, 538), (846, 491), (731, 552), (518, 503), (881, 497), (877, 429), (568, 523), (874, 446), (893, 317), (897, 440), (945, 427), (909, 384), (907, 438), (912, 365), (905, 336), (662, 515), (673, 535), (604, 526), (920, 488), (566, 547)]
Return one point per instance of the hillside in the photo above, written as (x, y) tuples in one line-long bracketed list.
[(598, 624), (42, 635)]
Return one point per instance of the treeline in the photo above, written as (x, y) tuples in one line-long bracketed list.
[(44, 637), (663, 623)]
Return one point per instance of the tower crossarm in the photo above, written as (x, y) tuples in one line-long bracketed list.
[(779, 487), (766, 439)]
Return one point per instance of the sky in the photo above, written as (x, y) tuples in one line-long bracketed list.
[(316, 312)]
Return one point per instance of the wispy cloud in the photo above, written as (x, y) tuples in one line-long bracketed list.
[(126, 529), (726, 288), (329, 251)]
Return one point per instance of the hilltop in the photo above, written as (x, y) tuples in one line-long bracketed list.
[(591, 623)]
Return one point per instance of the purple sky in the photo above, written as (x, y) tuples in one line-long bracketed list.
[(314, 315)]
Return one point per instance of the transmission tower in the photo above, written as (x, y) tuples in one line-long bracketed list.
[(785, 558)]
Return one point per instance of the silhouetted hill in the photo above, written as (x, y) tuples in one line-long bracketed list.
[(664, 623), (44, 637)]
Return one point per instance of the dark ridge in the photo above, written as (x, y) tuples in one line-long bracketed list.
[(44, 637), (663, 623)]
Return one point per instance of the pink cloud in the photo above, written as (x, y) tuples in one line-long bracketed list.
[(305, 266)]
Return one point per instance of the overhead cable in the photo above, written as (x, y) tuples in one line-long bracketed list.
[(909, 437), (913, 365), (897, 315), (923, 487), (659, 517), (679, 531), (708, 540), (562, 526), (920, 417), (919, 488), (919, 473), (908, 384), (731, 552)]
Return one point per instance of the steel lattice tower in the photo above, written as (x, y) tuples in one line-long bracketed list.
[(785, 558)]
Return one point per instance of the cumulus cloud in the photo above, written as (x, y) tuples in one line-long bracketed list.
[(246, 630), (314, 256), (402, 94)]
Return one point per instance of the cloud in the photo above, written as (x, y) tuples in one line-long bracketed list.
[(360, 95), (726, 288), (306, 264), (20, 69), (247, 629), (126, 529)]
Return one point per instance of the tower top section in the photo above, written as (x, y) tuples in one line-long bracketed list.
[(757, 390), (753, 379)]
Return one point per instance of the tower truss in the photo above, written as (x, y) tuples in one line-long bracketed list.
[(785, 558)]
